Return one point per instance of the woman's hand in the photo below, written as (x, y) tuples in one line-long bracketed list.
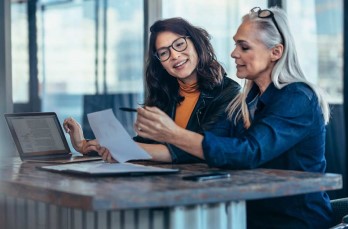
[(154, 124), (106, 155), (73, 128)]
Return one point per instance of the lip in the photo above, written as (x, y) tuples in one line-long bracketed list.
[(179, 64), (239, 65)]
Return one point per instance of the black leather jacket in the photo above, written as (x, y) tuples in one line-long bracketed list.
[(209, 109)]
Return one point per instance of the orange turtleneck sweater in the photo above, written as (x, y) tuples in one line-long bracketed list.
[(184, 110)]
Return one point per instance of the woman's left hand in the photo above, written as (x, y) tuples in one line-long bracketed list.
[(105, 154), (154, 124)]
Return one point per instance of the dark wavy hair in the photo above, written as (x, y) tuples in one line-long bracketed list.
[(162, 89)]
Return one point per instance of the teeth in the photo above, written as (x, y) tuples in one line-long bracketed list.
[(179, 64)]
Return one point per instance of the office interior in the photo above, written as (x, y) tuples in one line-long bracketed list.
[(74, 57)]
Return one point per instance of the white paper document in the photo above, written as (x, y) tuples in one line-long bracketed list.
[(111, 134)]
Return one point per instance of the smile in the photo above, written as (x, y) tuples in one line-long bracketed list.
[(180, 64)]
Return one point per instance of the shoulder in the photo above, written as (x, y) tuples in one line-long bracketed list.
[(228, 83), (228, 89), (294, 99), (300, 89)]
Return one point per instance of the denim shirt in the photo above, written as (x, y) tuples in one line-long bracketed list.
[(287, 132)]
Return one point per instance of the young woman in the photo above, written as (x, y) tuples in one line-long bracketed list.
[(184, 79), (278, 121)]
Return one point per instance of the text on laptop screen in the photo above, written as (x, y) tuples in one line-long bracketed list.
[(37, 134)]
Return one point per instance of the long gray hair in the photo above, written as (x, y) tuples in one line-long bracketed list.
[(287, 70)]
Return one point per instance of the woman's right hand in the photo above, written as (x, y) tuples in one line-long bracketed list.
[(73, 128)]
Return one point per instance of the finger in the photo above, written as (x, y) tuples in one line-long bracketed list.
[(69, 126), (154, 110), (104, 154), (93, 142), (137, 126), (66, 126), (109, 157), (90, 148), (100, 152), (144, 134), (147, 118), (146, 125), (68, 120), (146, 114)]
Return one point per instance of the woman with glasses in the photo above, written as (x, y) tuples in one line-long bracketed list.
[(277, 122), (184, 79)]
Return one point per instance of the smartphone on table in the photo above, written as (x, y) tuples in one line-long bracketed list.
[(207, 176)]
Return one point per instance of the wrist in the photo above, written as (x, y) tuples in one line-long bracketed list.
[(79, 145)]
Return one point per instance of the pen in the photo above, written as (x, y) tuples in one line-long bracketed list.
[(128, 109)]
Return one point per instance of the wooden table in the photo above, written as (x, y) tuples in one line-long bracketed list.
[(42, 199)]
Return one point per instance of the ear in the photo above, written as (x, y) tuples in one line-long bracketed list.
[(277, 52)]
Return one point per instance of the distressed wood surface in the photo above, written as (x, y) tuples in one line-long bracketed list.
[(24, 180)]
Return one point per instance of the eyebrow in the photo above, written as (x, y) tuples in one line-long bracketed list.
[(241, 41), (167, 45), (162, 47)]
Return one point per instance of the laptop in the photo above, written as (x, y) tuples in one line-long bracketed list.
[(39, 137)]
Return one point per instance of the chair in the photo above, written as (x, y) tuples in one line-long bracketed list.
[(93, 103), (340, 210)]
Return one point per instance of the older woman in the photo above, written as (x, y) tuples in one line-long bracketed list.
[(277, 122)]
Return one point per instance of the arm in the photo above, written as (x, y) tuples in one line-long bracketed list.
[(155, 124), (288, 131), (80, 144), (158, 152)]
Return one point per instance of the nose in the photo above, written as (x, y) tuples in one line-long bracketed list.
[(234, 53), (174, 54)]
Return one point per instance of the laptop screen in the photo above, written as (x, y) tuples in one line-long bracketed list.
[(37, 134)]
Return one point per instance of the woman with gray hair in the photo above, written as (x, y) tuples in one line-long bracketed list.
[(278, 122)]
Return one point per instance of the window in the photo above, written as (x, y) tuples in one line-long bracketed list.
[(220, 18), (319, 42), (20, 61), (86, 49)]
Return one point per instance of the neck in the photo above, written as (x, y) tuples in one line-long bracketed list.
[(192, 78), (188, 87), (263, 83)]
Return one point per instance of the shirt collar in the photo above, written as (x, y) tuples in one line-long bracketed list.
[(266, 97)]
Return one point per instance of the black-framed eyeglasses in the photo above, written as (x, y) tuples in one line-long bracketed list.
[(178, 45), (267, 14)]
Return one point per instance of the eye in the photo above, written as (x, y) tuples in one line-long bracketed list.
[(179, 44), (245, 48), (162, 52)]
